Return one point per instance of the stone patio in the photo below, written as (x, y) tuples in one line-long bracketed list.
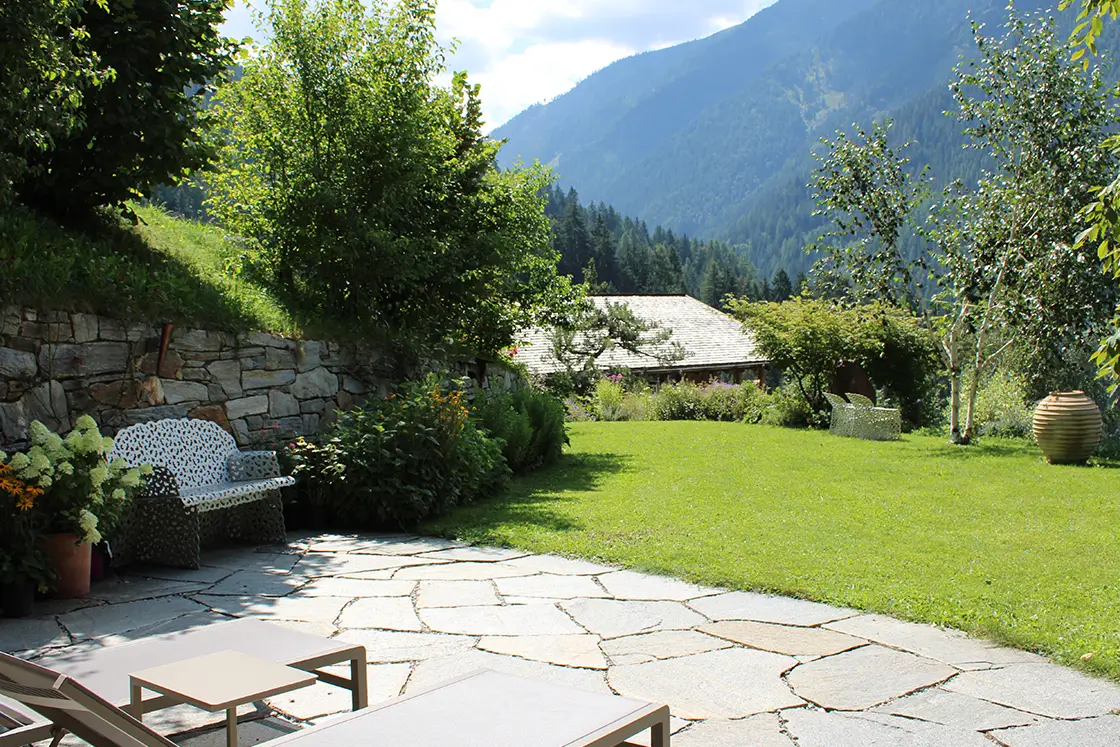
[(737, 669)]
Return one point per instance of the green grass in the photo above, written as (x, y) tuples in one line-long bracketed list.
[(164, 269), (988, 539)]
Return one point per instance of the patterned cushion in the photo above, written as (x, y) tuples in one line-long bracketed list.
[(212, 497)]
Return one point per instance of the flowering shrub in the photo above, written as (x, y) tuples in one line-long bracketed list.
[(21, 558), (577, 411), (69, 483), (402, 459)]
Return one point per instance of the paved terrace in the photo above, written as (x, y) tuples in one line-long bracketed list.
[(736, 668)]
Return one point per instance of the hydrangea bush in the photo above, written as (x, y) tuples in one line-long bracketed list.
[(70, 484)]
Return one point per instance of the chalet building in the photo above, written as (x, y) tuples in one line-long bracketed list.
[(714, 344)]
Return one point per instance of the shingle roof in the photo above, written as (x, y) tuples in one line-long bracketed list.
[(710, 338)]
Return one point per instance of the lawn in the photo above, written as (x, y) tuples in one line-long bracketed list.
[(988, 539)]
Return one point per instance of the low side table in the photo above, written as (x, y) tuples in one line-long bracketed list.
[(220, 681)]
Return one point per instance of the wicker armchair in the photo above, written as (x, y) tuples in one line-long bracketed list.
[(875, 423), (845, 416)]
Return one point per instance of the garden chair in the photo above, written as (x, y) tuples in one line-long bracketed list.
[(202, 489), (875, 423), (483, 709), (859, 400), (844, 416)]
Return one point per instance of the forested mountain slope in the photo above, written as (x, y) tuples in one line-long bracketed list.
[(714, 138)]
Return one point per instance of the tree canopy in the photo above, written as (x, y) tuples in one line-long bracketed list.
[(1000, 254), (106, 99), (369, 193)]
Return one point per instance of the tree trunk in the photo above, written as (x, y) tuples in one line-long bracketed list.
[(955, 408), (970, 412)]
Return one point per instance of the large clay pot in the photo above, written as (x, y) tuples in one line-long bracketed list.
[(72, 561), (1068, 427)]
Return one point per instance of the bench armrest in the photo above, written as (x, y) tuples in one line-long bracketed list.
[(252, 465), (162, 483)]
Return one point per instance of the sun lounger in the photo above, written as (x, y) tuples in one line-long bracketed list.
[(105, 670), (483, 709)]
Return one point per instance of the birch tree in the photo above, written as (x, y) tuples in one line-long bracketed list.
[(1000, 260)]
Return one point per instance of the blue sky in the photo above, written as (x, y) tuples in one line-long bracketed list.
[(528, 51)]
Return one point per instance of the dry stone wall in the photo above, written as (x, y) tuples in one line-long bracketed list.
[(56, 365)]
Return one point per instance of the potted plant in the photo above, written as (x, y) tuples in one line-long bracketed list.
[(77, 486), (23, 572), (23, 567)]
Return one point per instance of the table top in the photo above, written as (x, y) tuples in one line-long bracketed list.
[(489, 709), (222, 680)]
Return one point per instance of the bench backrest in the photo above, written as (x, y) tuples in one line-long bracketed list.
[(195, 450)]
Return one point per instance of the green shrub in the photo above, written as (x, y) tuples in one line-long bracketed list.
[(607, 399), (680, 401), (636, 405), (733, 402), (787, 407), (402, 459), (712, 401), (529, 423), (1001, 406)]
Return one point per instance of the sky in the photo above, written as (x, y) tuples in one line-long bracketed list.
[(525, 52)]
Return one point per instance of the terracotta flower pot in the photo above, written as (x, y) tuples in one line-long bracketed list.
[(1068, 427), (72, 561)]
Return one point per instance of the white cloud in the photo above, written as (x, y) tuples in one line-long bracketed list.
[(524, 52)]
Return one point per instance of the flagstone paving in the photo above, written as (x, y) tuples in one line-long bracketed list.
[(738, 669)]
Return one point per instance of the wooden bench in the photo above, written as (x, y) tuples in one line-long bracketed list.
[(202, 490)]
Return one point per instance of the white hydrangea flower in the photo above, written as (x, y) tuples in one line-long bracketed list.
[(87, 522), (39, 460), (64, 468), (131, 479), (45, 481), (98, 475), (118, 465), (38, 433), (19, 461), (85, 423), (118, 494), (27, 468), (54, 445), (91, 442), (106, 445), (3, 457), (145, 469)]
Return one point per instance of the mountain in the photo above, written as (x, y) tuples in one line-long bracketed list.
[(713, 138)]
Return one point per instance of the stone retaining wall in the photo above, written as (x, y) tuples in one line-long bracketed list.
[(55, 366)]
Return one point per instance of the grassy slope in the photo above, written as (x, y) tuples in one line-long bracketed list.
[(989, 539), (165, 269)]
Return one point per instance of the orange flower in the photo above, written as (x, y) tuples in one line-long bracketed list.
[(11, 485), (25, 502)]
